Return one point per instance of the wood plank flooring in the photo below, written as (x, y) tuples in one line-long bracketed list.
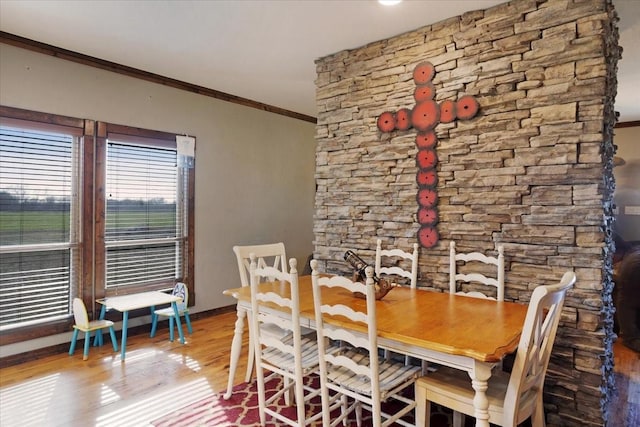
[(156, 378), (625, 408), (159, 377)]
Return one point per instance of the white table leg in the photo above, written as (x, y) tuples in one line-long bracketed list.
[(251, 358), (479, 381), (236, 347)]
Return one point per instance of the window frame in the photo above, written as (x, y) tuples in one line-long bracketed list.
[(93, 142), (163, 140)]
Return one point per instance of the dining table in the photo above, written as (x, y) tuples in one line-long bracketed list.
[(129, 302), (467, 333)]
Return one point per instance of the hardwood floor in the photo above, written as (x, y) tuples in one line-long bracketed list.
[(159, 377), (625, 408)]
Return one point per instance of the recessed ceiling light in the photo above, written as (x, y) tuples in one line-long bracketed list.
[(389, 2)]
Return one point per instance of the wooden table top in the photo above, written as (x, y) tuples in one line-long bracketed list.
[(484, 330)]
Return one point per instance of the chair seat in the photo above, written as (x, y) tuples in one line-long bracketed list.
[(169, 312), (286, 361), (274, 331), (446, 385), (94, 325), (392, 374)]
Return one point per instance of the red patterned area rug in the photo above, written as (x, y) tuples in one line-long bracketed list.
[(241, 410)]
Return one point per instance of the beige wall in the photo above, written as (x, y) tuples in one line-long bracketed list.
[(255, 170), (627, 195)]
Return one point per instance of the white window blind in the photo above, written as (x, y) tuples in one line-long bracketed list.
[(145, 214), (39, 222)]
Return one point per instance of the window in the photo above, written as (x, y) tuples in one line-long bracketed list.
[(87, 209), (39, 219), (145, 206)]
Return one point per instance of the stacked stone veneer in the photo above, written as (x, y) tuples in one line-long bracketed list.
[(532, 171)]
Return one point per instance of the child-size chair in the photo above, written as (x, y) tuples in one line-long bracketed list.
[(83, 324), (180, 289)]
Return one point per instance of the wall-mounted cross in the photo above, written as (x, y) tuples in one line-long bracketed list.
[(424, 117)]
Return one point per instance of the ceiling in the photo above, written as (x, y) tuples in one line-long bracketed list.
[(263, 50)]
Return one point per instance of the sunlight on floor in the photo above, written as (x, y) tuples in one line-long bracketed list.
[(38, 399), (134, 356), (33, 397), (142, 412), (107, 395), (142, 354), (185, 360)]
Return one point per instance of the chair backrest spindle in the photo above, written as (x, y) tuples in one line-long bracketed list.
[(271, 254), (470, 258), (399, 255)]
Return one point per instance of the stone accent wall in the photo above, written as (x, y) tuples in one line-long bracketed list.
[(532, 171)]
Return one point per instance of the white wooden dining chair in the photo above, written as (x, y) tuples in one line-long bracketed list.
[(181, 290), (397, 256), (292, 358), (470, 283), (82, 323), (354, 373), (388, 263), (270, 254), (512, 397)]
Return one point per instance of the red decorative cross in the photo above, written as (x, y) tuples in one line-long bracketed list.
[(424, 117)]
